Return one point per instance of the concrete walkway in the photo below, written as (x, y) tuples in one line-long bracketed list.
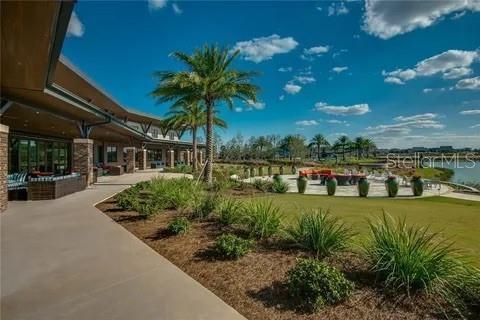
[(463, 196), (63, 259)]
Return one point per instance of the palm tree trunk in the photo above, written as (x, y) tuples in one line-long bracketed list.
[(194, 146), (209, 168), (343, 152), (318, 151)]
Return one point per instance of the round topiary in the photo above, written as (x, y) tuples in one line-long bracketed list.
[(277, 178), (232, 247), (302, 184), (363, 187), (331, 185), (315, 284), (417, 186), (179, 225), (392, 186)]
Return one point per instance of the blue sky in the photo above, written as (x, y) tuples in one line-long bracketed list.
[(403, 73)]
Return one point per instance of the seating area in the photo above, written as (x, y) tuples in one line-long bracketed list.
[(17, 181), (322, 174)]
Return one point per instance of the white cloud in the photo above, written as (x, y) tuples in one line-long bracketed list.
[(285, 69), (404, 127), (156, 4), (452, 64), (427, 90), (339, 69), (334, 121), (356, 36), (475, 126), (292, 88), (257, 105), (429, 141), (304, 79), (459, 15), (310, 53), (306, 123), (75, 26), (469, 84), (264, 48), (176, 9), (423, 116), (470, 112), (337, 9), (238, 109), (386, 19), (354, 110), (281, 97)]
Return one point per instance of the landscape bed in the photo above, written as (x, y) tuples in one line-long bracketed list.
[(256, 284)]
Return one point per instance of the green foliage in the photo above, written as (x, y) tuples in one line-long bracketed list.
[(230, 211), (410, 259), (262, 219), (277, 178), (315, 284), (319, 232), (262, 185), (179, 225), (146, 208), (232, 247), (128, 199), (174, 193), (204, 204), (279, 186)]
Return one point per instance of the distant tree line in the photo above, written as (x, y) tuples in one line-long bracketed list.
[(291, 147)]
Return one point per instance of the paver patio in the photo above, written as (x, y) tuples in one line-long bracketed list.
[(64, 259)]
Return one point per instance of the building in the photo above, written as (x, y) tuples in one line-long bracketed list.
[(55, 121)]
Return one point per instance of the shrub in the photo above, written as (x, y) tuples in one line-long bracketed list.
[(277, 178), (410, 259), (127, 200), (232, 247), (179, 225), (262, 219), (230, 211), (319, 232), (204, 204), (280, 187), (174, 193), (146, 209), (315, 284), (262, 185)]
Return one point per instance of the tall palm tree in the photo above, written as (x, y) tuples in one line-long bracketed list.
[(342, 143), (190, 117), (209, 78), (359, 144), (319, 141), (369, 145)]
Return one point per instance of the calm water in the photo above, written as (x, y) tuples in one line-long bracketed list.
[(465, 171)]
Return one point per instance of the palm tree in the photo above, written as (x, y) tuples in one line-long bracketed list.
[(359, 144), (319, 141), (369, 145), (190, 117), (209, 78), (342, 143)]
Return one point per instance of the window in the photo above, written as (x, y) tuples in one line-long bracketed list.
[(111, 154), (155, 133), (171, 135)]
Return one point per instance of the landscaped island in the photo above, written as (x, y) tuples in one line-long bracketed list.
[(282, 256)]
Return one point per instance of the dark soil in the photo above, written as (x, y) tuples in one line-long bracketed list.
[(255, 284)]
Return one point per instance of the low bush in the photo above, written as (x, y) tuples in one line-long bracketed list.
[(262, 185), (410, 259), (179, 225), (279, 187), (127, 200), (315, 284), (232, 247), (146, 208), (230, 211), (262, 219), (204, 204), (174, 193), (319, 232)]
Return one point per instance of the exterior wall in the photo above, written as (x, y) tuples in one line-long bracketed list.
[(83, 158), (3, 167), (130, 159), (142, 159)]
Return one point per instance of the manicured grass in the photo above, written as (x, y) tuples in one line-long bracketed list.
[(456, 220)]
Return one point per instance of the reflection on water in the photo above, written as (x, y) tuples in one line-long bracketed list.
[(465, 171)]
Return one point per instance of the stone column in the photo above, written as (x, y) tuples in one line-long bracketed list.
[(130, 159), (182, 156), (189, 158), (171, 158), (164, 157), (3, 167), (142, 159), (200, 157), (83, 158)]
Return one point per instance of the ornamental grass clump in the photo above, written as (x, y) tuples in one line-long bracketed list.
[(320, 233), (203, 204), (179, 226), (279, 186), (411, 259), (230, 211), (232, 247), (262, 219), (315, 285)]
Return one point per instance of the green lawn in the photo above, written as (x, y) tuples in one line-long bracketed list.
[(457, 220)]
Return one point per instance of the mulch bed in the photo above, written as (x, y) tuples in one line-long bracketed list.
[(255, 284)]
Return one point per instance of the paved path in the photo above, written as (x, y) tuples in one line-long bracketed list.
[(377, 188), (63, 259), (463, 196)]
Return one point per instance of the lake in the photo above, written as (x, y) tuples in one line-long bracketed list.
[(465, 171)]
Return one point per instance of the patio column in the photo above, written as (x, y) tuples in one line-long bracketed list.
[(3, 167), (182, 156), (164, 157), (200, 157), (130, 159), (83, 158), (189, 158), (142, 159), (171, 158)]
